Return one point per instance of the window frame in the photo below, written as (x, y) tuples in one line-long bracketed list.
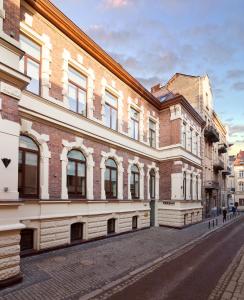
[(110, 181), (75, 194), (78, 87), (132, 121), (150, 134), (191, 186), (152, 175), (184, 185), (24, 150), (110, 110), (132, 176), (184, 139), (27, 56)]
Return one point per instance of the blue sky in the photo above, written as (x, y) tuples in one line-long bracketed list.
[(155, 39)]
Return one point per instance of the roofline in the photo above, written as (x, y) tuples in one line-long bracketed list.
[(179, 99), (64, 24), (219, 122)]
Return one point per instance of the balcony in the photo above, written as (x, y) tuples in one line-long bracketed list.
[(218, 165), (227, 171), (222, 148), (210, 184), (211, 134)]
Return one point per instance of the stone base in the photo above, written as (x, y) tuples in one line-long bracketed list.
[(10, 281)]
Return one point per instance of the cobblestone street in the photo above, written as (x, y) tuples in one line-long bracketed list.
[(231, 284), (76, 271)]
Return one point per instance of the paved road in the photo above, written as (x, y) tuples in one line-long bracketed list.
[(192, 275)]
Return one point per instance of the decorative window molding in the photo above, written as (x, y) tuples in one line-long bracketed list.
[(45, 155), (119, 94), (132, 104), (87, 152), (175, 112), (136, 162), (157, 176), (119, 161), (89, 73), (156, 121), (46, 57)]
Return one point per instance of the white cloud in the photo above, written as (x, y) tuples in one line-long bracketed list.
[(116, 3)]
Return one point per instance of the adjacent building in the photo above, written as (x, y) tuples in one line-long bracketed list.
[(239, 179), (85, 150), (197, 91)]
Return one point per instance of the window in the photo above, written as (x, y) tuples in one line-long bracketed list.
[(111, 226), (111, 111), (135, 182), (241, 186), (191, 187), (76, 232), (76, 174), (134, 222), (30, 63), (197, 187), (191, 139), (77, 91), (111, 179), (134, 119), (152, 184), (28, 173), (241, 174), (241, 202), (184, 135), (26, 240), (152, 133), (184, 185)]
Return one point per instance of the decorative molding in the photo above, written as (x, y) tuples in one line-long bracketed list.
[(10, 90), (140, 166)]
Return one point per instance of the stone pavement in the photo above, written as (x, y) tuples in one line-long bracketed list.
[(231, 284), (77, 271)]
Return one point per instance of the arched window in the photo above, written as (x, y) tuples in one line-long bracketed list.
[(28, 177), (76, 174), (111, 179), (184, 185), (152, 183), (135, 182), (76, 232)]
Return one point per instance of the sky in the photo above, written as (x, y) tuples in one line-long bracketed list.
[(154, 39)]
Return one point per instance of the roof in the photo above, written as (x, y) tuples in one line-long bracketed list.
[(239, 159)]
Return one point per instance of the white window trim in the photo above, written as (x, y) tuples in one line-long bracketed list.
[(119, 161), (188, 178), (119, 95), (140, 166), (45, 155), (46, 57), (140, 110), (156, 121), (157, 176), (87, 152), (88, 72)]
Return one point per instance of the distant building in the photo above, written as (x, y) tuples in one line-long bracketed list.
[(239, 179), (231, 182), (214, 146)]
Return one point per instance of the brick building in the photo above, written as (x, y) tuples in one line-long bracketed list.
[(86, 151), (214, 146)]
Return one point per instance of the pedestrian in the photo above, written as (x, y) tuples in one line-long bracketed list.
[(224, 215)]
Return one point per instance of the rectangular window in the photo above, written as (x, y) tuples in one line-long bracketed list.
[(30, 63), (241, 174), (111, 111), (152, 133), (196, 141), (184, 135), (134, 119), (191, 139), (77, 91)]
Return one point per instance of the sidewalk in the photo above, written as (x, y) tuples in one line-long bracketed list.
[(231, 284), (73, 272)]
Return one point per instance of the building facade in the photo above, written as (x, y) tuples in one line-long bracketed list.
[(86, 151), (197, 91), (239, 179)]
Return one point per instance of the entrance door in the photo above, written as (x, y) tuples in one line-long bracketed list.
[(152, 213), (152, 186)]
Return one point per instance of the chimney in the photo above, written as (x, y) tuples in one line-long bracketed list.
[(156, 88)]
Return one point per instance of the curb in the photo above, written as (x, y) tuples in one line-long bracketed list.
[(154, 264)]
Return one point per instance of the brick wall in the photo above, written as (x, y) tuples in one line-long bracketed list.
[(12, 18)]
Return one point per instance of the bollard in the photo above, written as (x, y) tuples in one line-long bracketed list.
[(216, 222), (209, 224), (213, 223)]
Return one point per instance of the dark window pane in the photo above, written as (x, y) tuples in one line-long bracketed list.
[(31, 162), (26, 239), (111, 163), (76, 232), (107, 115), (33, 71), (27, 143)]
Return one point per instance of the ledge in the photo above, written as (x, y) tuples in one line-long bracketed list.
[(11, 227)]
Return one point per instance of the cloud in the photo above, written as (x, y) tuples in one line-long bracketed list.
[(148, 82), (229, 119), (238, 86), (235, 73), (236, 129), (116, 3)]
